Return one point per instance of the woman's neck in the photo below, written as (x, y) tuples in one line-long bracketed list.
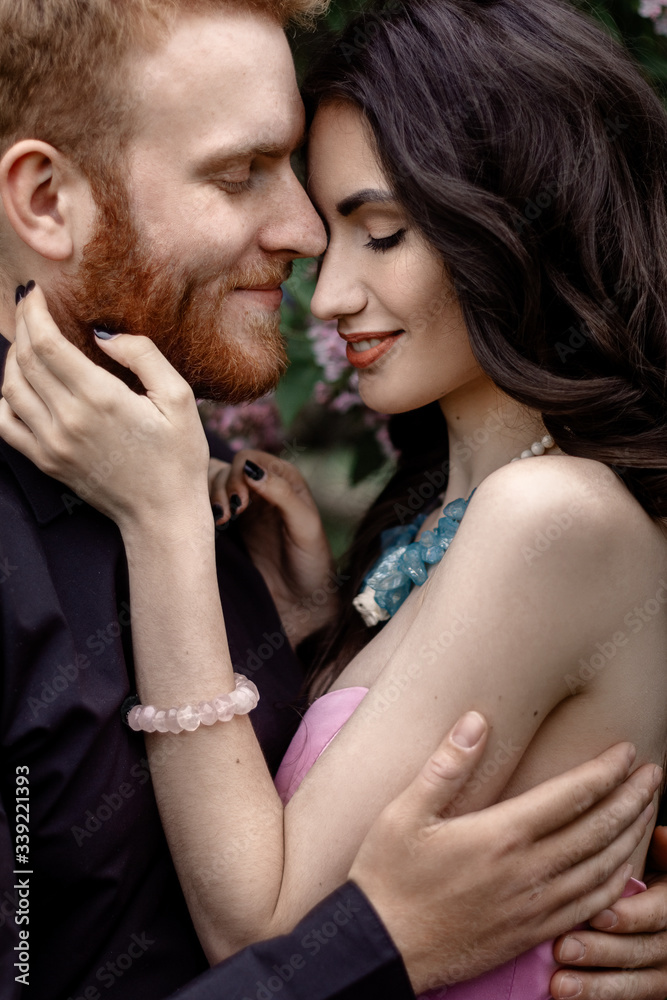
[(486, 430)]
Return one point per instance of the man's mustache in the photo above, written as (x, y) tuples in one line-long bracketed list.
[(260, 274)]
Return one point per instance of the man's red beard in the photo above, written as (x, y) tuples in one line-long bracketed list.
[(122, 287)]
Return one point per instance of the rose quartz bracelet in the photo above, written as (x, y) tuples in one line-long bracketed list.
[(174, 720)]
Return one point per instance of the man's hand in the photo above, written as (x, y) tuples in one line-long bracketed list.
[(634, 963), (460, 896)]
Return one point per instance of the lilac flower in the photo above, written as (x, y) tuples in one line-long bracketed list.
[(329, 350), (251, 425), (657, 12)]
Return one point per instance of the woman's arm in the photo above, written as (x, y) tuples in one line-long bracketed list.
[(249, 868)]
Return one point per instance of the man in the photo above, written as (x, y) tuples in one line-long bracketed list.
[(146, 185)]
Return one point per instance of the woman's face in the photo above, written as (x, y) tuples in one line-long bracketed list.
[(382, 283)]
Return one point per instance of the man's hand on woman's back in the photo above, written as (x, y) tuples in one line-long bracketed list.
[(462, 895)]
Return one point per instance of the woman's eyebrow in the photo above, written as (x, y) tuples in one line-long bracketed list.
[(355, 201)]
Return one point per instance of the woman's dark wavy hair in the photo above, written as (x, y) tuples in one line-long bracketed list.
[(529, 150)]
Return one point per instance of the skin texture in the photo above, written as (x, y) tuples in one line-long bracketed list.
[(48, 232)]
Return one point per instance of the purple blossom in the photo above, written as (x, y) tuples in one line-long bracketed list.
[(329, 350), (251, 425), (657, 12)]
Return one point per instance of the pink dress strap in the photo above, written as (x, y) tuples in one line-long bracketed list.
[(525, 977)]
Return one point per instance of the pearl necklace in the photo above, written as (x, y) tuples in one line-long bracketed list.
[(404, 561)]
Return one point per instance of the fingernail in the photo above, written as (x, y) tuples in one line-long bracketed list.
[(657, 774), (29, 287), (253, 471), (603, 921), (469, 730), (569, 986), (20, 293), (105, 335), (571, 950), (234, 503), (218, 511)]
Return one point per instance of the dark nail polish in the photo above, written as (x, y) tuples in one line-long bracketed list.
[(234, 503), (105, 335), (218, 511), (29, 287), (253, 471), (20, 293)]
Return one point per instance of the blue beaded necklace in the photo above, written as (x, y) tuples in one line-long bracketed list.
[(403, 562)]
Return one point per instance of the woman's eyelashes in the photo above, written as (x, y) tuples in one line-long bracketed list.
[(384, 243)]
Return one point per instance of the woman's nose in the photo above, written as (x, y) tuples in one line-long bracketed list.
[(338, 292)]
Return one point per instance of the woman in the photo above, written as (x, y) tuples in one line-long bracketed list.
[(505, 331)]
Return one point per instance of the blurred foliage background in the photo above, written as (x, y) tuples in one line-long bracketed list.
[(316, 417)]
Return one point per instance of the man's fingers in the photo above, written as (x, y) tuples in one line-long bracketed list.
[(598, 882), (641, 914), (645, 984), (568, 796), (627, 951), (601, 825), (446, 771)]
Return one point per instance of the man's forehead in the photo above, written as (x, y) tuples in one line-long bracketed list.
[(222, 71)]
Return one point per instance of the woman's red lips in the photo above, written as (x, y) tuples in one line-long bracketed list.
[(369, 355)]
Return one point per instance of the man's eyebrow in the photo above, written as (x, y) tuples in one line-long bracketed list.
[(220, 158), (355, 201)]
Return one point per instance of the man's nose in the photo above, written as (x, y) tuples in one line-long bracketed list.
[(296, 229)]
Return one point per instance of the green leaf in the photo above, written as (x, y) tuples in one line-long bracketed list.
[(295, 389)]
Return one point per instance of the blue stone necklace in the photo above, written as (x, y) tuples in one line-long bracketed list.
[(403, 562)]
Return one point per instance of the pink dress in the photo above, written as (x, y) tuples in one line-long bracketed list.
[(523, 978)]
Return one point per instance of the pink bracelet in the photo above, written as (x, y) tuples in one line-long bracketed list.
[(174, 720)]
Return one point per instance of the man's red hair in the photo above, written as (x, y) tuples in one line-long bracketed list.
[(63, 67)]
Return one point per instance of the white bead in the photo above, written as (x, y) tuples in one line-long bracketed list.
[(548, 441), (160, 721), (517, 459), (207, 713), (527, 453), (188, 718), (134, 718), (537, 448), (224, 708), (173, 725)]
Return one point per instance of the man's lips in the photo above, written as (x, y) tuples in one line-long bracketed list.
[(269, 296), (365, 348)]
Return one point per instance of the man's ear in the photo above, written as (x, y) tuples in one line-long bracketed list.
[(44, 196)]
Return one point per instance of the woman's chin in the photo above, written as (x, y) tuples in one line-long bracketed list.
[(390, 399)]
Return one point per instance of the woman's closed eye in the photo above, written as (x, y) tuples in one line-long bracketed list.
[(384, 243)]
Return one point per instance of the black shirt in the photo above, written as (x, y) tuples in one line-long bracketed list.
[(97, 892)]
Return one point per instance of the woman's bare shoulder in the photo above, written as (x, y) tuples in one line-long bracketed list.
[(591, 492)]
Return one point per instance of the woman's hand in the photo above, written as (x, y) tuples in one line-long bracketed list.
[(632, 955), (282, 529), (135, 458)]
